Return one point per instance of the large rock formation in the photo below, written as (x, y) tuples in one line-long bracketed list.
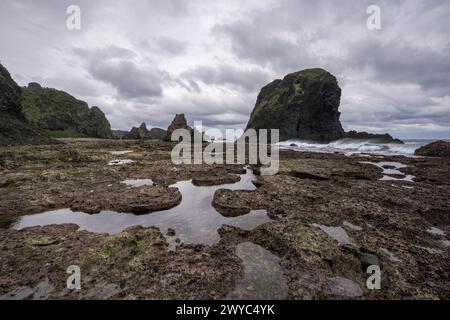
[(179, 122), (62, 115), (14, 128), (143, 133), (304, 105), (434, 149)]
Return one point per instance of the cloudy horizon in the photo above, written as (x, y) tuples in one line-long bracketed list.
[(144, 61)]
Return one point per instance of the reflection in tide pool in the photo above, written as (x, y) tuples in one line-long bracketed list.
[(194, 220), (391, 168), (263, 277), (136, 183)]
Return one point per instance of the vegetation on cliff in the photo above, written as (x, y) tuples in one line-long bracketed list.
[(62, 115)]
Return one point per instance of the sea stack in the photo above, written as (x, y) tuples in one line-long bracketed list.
[(179, 122), (305, 105)]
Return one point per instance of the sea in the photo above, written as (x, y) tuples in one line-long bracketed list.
[(353, 146)]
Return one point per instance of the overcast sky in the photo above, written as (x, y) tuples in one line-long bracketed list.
[(144, 61)]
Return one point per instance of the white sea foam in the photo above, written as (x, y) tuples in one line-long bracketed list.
[(121, 152), (353, 146), (119, 162)]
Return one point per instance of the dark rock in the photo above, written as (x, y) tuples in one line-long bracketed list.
[(14, 128), (62, 115), (231, 203), (179, 122), (208, 179), (34, 85), (3, 183), (434, 149), (142, 133), (141, 201), (368, 259), (171, 232), (119, 134), (377, 138), (157, 133), (9, 94), (137, 133), (303, 105)]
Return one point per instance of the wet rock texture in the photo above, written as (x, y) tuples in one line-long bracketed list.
[(435, 149), (133, 200), (316, 201)]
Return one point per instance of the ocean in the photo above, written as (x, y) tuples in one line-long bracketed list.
[(352, 146)]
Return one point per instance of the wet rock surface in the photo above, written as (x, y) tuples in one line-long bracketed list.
[(388, 222), (140, 200), (435, 149)]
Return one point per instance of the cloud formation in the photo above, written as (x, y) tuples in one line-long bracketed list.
[(146, 60)]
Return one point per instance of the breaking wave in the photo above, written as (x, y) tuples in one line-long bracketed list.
[(351, 146)]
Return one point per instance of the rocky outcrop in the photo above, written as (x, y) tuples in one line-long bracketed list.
[(304, 105), (62, 115), (378, 138), (119, 134), (434, 149), (137, 133), (9, 94), (179, 122), (142, 200), (14, 129), (142, 133), (157, 133)]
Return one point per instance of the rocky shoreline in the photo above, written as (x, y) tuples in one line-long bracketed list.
[(331, 216)]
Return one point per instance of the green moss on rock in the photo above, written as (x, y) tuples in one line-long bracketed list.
[(62, 115)]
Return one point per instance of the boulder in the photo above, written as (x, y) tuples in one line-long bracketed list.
[(434, 149)]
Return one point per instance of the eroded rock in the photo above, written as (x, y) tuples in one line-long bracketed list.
[(134, 200)]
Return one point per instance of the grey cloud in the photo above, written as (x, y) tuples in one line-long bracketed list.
[(115, 66), (171, 45), (108, 52), (163, 46), (249, 42), (129, 80), (248, 79), (399, 62), (145, 69)]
